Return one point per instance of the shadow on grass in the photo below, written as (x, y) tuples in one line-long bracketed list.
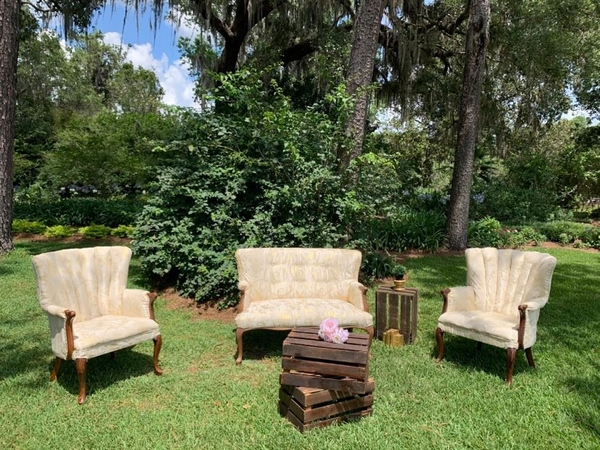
[(103, 372), (261, 344), (588, 388)]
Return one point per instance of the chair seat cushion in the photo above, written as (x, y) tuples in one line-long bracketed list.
[(302, 312), (108, 333), (491, 328)]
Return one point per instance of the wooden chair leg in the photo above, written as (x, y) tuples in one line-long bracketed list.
[(157, 345), (112, 356), (530, 357), (57, 362), (479, 347), (80, 365), (238, 333), (511, 354), (439, 336)]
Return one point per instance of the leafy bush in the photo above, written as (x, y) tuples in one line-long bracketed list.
[(95, 231), (253, 172), (59, 231), (80, 211), (405, 230), (124, 231), (486, 232), (26, 226), (376, 265), (562, 231), (591, 236)]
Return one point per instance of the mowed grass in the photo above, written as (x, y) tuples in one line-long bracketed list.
[(204, 400)]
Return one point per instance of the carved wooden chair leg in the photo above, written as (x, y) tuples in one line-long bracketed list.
[(80, 365), (371, 332), (157, 345), (530, 357), (511, 354), (238, 333), (57, 362), (439, 336)]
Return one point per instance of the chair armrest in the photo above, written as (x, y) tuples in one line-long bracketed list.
[(61, 330), (529, 313), (139, 303), (243, 286), (461, 298), (357, 295)]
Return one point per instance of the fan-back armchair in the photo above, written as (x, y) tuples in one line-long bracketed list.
[(91, 313), (501, 303)]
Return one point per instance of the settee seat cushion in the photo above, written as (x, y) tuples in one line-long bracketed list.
[(110, 333), (301, 312), (490, 328)]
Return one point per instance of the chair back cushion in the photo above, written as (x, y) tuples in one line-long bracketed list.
[(297, 273), (504, 279), (89, 281)]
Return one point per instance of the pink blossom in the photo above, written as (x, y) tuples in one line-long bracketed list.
[(327, 328), (340, 336)]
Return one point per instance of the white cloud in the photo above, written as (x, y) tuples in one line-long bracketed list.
[(173, 76)]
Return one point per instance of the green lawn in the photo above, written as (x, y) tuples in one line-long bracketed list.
[(204, 400)]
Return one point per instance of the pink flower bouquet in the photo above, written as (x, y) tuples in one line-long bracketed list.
[(329, 331)]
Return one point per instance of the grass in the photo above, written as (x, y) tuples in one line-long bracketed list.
[(204, 400)]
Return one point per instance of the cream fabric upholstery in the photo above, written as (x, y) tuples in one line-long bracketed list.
[(289, 287), (92, 283), (498, 281)]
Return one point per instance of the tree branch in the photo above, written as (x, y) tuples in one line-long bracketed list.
[(298, 51)]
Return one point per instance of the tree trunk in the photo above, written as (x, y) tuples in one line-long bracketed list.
[(462, 177), (360, 75), (9, 47)]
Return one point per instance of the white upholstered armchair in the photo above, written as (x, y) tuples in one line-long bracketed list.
[(91, 313), (501, 303)]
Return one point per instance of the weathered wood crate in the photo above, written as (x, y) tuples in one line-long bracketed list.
[(308, 408), (396, 309), (338, 366)]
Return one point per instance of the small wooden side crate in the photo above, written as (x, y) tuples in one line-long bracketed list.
[(308, 408), (396, 309), (310, 362)]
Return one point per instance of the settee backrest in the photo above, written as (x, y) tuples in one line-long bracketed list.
[(278, 273), (89, 281), (504, 279)]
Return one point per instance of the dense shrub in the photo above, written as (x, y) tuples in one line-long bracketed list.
[(123, 231), (252, 173), (94, 231), (26, 226), (562, 231), (80, 211), (489, 232), (59, 231)]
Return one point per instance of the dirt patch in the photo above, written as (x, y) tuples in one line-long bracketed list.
[(204, 311)]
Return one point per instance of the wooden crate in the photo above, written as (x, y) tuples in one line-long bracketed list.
[(308, 408), (305, 352), (396, 309)]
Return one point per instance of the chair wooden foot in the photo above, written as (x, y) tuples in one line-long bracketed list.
[(157, 345), (57, 363), (80, 365), (511, 354), (240, 346), (529, 357), (439, 336)]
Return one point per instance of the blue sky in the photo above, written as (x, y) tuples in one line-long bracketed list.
[(155, 50)]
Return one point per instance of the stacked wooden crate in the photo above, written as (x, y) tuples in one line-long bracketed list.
[(324, 383)]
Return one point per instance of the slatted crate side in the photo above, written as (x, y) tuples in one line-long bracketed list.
[(324, 368), (306, 417), (312, 334), (316, 382), (325, 351), (396, 309)]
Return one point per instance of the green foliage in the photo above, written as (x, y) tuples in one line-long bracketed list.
[(377, 265), (80, 211), (123, 231), (94, 231), (59, 231), (254, 172), (486, 232), (26, 226), (404, 230)]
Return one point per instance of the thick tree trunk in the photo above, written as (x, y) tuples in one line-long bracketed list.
[(462, 177), (360, 75), (9, 47)]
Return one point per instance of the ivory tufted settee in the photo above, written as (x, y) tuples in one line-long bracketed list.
[(501, 303), (91, 313), (283, 288)]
